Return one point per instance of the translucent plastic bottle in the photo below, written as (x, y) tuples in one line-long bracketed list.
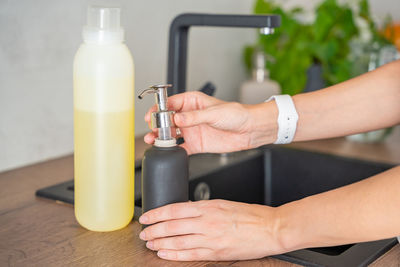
[(103, 124), (260, 87)]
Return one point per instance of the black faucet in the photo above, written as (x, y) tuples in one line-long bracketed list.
[(178, 38)]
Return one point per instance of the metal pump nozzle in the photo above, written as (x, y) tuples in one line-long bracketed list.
[(162, 118)]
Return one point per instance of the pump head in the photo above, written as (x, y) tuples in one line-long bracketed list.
[(162, 119)]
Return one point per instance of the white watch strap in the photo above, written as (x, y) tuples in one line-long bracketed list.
[(287, 118)]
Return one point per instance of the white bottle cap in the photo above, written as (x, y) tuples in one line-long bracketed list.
[(103, 25)]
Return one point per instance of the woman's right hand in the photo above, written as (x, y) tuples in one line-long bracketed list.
[(212, 125)]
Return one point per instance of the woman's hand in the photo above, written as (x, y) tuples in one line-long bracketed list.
[(212, 230), (211, 125)]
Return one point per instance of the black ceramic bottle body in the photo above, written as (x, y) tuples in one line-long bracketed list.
[(165, 177)]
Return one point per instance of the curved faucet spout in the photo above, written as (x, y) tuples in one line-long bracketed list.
[(178, 38)]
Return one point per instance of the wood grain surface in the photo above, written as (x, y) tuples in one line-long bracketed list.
[(39, 232)]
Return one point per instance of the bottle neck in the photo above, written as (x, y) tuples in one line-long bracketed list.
[(260, 75), (93, 36)]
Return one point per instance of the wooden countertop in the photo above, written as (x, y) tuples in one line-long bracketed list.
[(40, 232)]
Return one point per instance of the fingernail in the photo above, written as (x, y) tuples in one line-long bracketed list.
[(143, 219), (142, 235), (162, 254), (150, 245)]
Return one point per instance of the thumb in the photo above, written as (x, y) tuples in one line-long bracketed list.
[(193, 118)]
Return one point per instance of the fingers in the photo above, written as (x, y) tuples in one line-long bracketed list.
[(149, 138), (148, 113), (191, 101), (170, 228), (175, 102), (177, 242), (186, 102), (192, 107), (193, 118), (196, 254), (170, 212)]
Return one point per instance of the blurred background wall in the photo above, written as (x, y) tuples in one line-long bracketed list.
[(39, 39)]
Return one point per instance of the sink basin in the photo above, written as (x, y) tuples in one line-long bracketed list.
[(272, 175), (276, 175)]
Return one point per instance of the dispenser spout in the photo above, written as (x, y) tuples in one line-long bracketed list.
[(146, 91), (162, 119), (160, 92)]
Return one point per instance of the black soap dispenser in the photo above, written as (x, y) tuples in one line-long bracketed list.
[(165, 171)]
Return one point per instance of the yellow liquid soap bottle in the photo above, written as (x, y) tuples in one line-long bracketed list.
[(103, 124)]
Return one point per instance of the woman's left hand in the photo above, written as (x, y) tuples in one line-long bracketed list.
[(212, 230)]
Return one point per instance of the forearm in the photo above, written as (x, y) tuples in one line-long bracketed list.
[(368, 102), (363, 211)]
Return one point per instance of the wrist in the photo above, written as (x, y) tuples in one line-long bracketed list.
[(264, 126), (292, 227)]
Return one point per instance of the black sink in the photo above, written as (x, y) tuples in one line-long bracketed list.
[(276, 175), (272, 175)]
